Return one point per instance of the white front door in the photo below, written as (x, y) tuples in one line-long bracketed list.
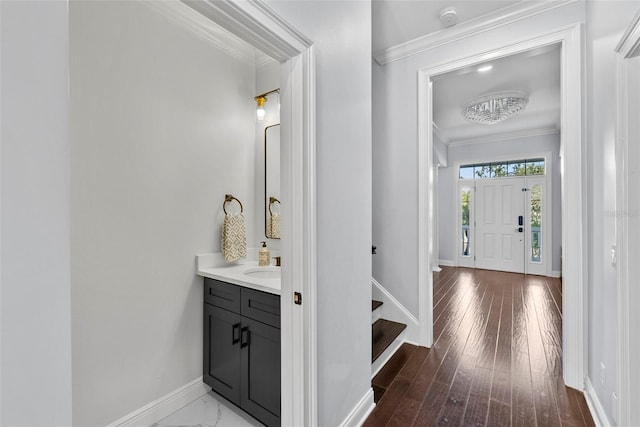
[(500, 224)]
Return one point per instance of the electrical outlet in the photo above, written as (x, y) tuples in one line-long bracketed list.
[(603, 374)]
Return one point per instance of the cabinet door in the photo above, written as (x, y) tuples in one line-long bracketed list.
[(261, 371), (221, 359)]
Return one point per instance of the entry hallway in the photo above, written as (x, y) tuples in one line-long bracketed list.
[(496, 359)]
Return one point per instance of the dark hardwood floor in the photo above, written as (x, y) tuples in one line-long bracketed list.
[(496, 359)]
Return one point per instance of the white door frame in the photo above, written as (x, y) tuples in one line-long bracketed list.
[(547, 247), (573, 213), (627, 205), (258, 25)]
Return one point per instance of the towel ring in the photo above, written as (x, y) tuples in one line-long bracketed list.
[(229, 198), (272, 200)]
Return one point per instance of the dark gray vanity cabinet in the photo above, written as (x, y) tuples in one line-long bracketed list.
[(242, 348)]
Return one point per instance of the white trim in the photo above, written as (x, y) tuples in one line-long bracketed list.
[(630, 40), (392, 309), (425, 210), (503, 136), (556, 274), (595, 406), (361, 411), (471, 28), (446, 263), (166, 405), (204, 28), (255, 23), (574, 213), (628, 343), (262, 59)]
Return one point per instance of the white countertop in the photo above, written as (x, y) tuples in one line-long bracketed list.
[(215, 267)]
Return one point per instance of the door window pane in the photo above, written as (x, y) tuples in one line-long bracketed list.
[(536, 223), (535, 167), (483, 171), (465, 196), (499, 170), (503, 169), (466, 172)]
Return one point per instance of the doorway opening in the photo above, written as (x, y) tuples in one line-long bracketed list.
[(570, 161)]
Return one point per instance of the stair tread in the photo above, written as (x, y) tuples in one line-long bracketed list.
[(383, 332), (375, 304)]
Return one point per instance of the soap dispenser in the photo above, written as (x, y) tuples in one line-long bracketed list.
[(263, 255)]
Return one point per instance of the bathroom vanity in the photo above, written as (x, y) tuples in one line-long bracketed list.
[(241, 345)]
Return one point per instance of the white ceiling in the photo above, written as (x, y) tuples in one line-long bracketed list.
[(536, 73), (398, 21)]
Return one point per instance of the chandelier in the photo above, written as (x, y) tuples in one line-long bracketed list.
[(495, 107)]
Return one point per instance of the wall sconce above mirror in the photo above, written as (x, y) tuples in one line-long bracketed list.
[(261, 99), (272, 181)]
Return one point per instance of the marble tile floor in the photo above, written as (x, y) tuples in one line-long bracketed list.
[(210, 410)]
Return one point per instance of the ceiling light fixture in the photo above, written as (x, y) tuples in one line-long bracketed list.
[(260, 100), (495, 107), (485, 68)]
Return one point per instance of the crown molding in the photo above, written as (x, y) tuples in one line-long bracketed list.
[(439, 134), (486, 22), (246, 18), (630, 41), (263, 59), (203, 28), (504, 136)]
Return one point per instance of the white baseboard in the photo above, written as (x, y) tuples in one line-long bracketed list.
[(556, 273), (164, 406), (595, 406), (446, 262), (361, 411)]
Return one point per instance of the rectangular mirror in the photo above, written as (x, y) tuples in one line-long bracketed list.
[(272, 181)]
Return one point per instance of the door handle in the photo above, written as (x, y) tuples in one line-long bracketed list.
[(244, 337), (235, 338), (519, 229)]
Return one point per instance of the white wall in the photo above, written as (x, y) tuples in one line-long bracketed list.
[(395, 148), (35, 386), (607, 22), (513, 149), (341, 32), (162, 126)]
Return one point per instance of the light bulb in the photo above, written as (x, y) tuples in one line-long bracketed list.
[(260, 111)]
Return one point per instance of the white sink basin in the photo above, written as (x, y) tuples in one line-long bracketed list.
[(264, 272)]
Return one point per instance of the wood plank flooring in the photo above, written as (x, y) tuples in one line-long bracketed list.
[(496, 359)]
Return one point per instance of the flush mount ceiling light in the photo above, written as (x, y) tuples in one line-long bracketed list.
[(260, 100), (495, 107)]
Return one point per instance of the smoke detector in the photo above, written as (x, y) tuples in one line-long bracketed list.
[(449, 16)]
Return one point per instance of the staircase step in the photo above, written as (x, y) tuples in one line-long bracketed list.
[(375, 304), (383, 332)]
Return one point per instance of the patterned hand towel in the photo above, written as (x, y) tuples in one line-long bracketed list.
[(234, 238), (274, 226)]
